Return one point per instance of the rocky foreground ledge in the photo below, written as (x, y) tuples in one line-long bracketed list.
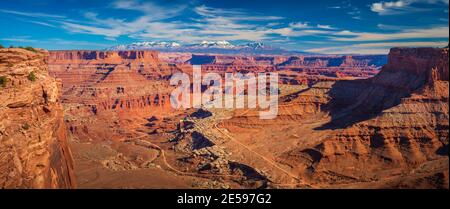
[(33, 138)]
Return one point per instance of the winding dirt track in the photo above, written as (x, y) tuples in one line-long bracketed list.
[(178, 172), (274, 164), (205, 175)]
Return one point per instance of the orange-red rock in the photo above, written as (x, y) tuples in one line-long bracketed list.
[(33, 137)]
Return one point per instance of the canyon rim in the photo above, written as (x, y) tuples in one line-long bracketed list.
[(224, 95)]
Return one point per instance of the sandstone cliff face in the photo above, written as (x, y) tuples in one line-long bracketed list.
[(294, 70), (33, 137), (119, 80), (361, 61), (419, 61), (392, 124), (102, 88), (105, 57)]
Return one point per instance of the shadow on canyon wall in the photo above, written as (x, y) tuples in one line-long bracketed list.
[(360, 100)]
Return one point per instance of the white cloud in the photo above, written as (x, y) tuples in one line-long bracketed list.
[(211, 24), (20, 39), (436, 32), (299, 25), (53, 41), (335, 7), (393, 27), (401, 6), (305, 29), (150, 9), (311, 32), (325, 27), (231, 14), (42, 23), (387, 7), (350, 9), (234, 24), (32, 14)]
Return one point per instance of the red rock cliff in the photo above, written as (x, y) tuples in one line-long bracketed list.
[(33, 138), (419, 61), (395, 121), (110, 57)]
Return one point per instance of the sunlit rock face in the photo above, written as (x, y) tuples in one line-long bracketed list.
[(33, 135)]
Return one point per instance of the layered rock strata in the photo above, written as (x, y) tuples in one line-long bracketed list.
[(33, 137)]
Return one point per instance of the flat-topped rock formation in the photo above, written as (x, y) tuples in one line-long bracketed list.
[(356, 61), (306, 70), (104, 57), (419, 61), (33, 136)]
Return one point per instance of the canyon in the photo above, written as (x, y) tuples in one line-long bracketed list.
[(104, 118), (388, 131)]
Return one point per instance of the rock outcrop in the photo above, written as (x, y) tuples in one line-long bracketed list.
[(104, 57), (33, 138), (419, 61), (294, 70), (105, 87), (357, 61), (391, 124)]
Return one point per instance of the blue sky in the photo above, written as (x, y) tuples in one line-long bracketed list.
[(333, 26)]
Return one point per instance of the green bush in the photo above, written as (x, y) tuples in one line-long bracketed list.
[(1, 46), (26, 126), (31, 76), (29, 48), (3, 81)]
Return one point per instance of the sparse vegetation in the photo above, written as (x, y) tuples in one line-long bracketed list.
[(26, 126), (31, 76), (29, 48), (3, 81)]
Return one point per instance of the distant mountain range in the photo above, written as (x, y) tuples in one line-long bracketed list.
[(210, 47)]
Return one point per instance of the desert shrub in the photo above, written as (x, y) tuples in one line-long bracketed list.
[(31, 76), (26, 126), (1, 46), (3, 81), (29, 48)]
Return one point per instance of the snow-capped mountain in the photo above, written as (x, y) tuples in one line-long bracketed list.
[(213, 44), (255, 45), (210, 47)]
